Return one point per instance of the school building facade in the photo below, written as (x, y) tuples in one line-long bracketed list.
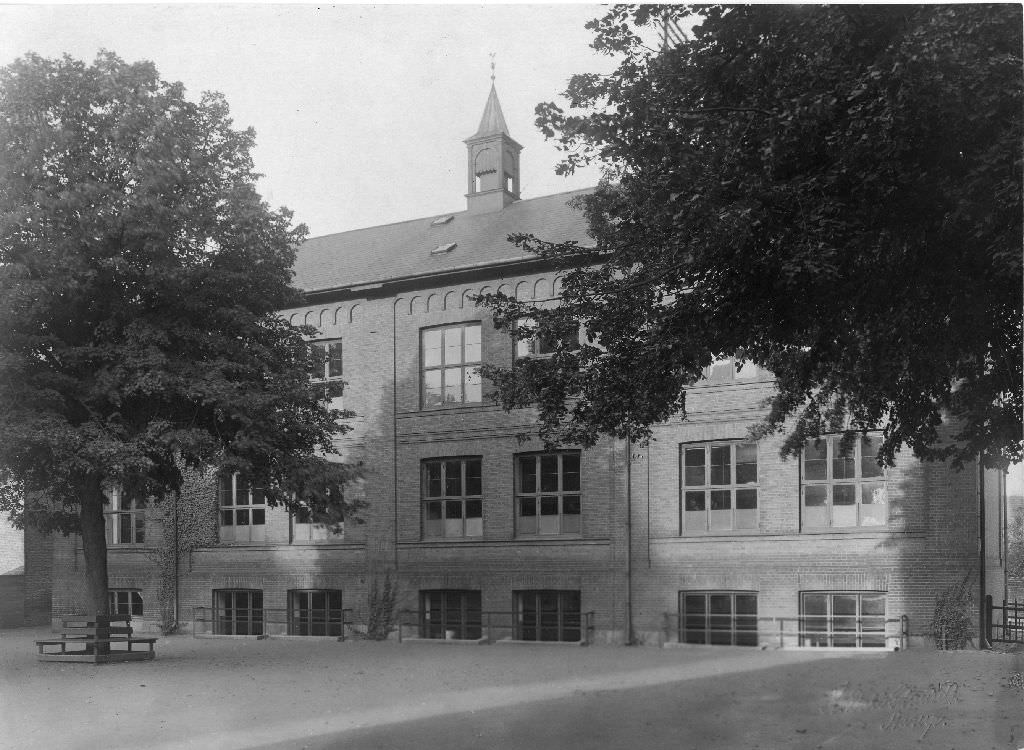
[(699, 536)]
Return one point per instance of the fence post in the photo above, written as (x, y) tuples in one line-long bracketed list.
[(988, 618)]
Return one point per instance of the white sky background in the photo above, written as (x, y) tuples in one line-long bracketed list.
[(360, 110)]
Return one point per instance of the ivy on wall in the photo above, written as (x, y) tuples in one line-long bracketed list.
[(952, 627), (189, 522)]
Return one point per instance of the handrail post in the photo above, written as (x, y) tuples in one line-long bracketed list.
[(988, 618)]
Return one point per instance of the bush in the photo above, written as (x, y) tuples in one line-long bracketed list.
[(952, 626)]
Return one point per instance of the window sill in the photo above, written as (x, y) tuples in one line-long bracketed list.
[(128, 548), (719, 532), (451, 407), (845, 530)]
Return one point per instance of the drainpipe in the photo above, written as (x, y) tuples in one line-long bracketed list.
[(982, 609), (629, 542), (394, 424), (177, 498)]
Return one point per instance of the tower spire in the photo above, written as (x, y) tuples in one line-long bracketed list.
[(493, 159)]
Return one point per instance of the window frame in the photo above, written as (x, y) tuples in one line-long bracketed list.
[(468, 369), (256, 530), (728, 370), (253, 621), (860, 484), (311, 531), (750, 521), (331, 620), (567, 622), (132, 598), (446, 501), (829, 636), (115, 515), (457, 610), (540, 499), (708, 633), (537, 348)]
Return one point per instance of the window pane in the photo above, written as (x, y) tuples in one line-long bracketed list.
[(453, 509), (227, 517), (722, 370), (694, 501), (571, 523), (527, 506), (474, 526), (844, 494), (571, 505), (474, 508), (474, 389), (868, 457), (721, 500), (259, 516), (746, 463), (124, 521), (432, 393), (549, 473), (473, 480), (472, 349), (433, 511), (433, 471), (844, 465), (746, 370), (242, 518), (432, 348), (815, 510), (334, 360), (694, 467), (746, 499), (140, 528), (570, 472), (815, 459), (549, 506), (527, 474), (873, 509), (452, 346), (452, 478), (720, 464), (453, 385), (224, 490)]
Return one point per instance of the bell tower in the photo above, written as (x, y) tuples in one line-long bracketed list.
[(493, 164)]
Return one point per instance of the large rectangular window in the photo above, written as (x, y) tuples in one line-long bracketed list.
[(723, 618), (548, 616), (849, 619), (315, 612), (843, 486), (243, 509), (307, 527), (452, 498), (451, 614), (548, 493), (450, 365), (329, 372), (125, 602), (731, 370), (124, 519), (719, 486), (543, 346), (238, 612)]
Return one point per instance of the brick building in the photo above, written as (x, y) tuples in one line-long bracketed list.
[(700, 536)]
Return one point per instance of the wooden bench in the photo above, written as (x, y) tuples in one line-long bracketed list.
[(84, 633)]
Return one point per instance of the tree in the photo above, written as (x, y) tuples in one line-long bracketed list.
[(140, 273), (832, 193)]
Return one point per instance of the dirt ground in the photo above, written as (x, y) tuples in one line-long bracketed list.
[(298, 693)]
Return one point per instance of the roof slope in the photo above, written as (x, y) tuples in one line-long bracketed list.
[(397, 251)]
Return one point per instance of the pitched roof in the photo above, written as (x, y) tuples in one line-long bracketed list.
[(493, 121), (403, 250)]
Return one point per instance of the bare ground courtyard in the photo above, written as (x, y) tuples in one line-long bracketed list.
[(221, 694)]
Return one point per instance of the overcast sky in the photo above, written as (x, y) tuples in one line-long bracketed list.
[(360, 110)]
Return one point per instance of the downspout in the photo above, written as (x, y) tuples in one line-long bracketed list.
[(1004, 508), (982, 609), (177, 498), (629, 542), (394, 424)]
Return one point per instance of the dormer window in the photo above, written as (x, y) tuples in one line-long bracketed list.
[(440, 220), (443, 249)]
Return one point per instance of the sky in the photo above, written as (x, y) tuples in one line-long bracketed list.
[(360, 111)]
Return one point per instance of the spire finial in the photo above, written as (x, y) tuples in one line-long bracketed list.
[(492, 67)]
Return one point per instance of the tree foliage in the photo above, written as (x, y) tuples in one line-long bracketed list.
[(830, 192), (140, 273)]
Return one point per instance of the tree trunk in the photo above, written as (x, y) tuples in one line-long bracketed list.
[(94, 549)]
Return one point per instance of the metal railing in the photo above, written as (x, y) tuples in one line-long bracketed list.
[(264, 623), (809, 631), (1008, 627), (493, 626)]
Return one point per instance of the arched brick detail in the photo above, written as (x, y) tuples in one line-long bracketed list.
[(522, 290), (450, 300), (432, 303), (354, 311), (540, 289)]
